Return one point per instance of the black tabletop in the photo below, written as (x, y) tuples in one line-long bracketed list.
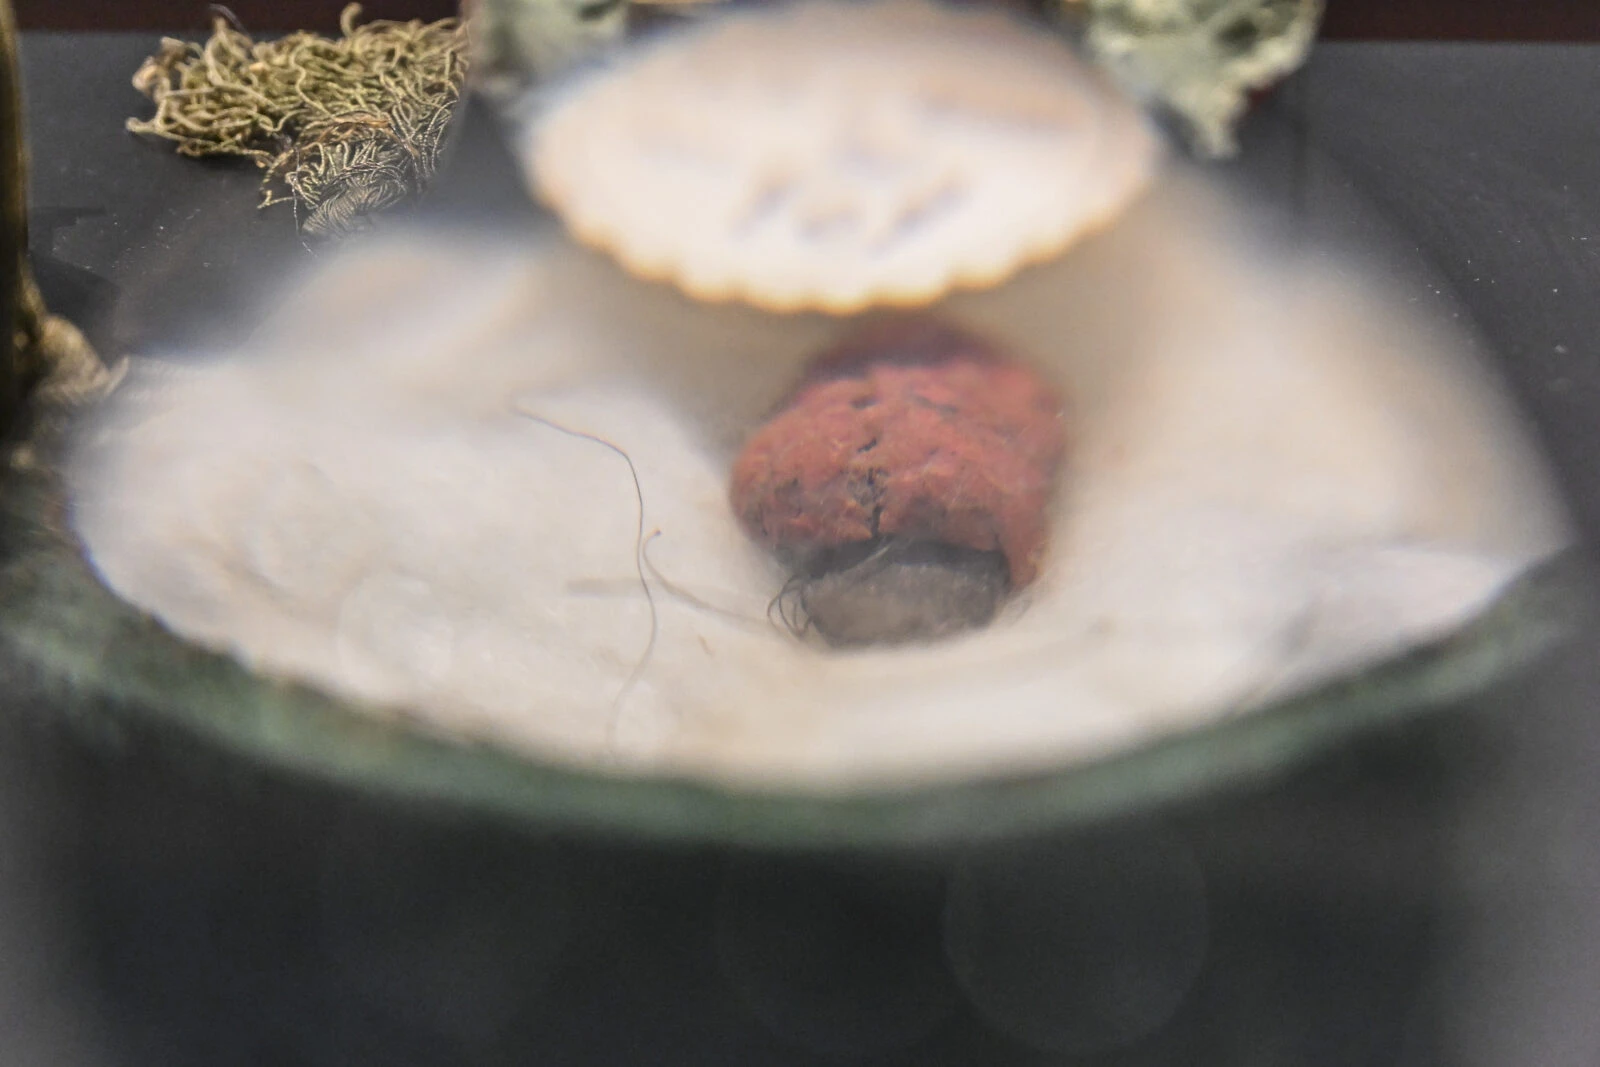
[(1433, 907)]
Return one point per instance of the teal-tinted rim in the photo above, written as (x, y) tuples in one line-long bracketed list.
[(79, 651)]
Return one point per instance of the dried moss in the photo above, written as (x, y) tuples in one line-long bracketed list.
[(344, 127)]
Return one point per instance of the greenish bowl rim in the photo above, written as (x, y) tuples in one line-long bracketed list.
[(89, 656)]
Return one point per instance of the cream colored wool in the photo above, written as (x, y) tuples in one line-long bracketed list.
[(1273, 479)]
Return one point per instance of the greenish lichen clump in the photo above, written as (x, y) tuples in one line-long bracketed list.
[(1201, 59)]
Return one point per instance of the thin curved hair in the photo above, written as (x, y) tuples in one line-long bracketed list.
[(639, 542)]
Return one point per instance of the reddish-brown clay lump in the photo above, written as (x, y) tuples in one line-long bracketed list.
[(908, 429)]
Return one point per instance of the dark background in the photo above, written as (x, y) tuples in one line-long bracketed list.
[(1504, 20)]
